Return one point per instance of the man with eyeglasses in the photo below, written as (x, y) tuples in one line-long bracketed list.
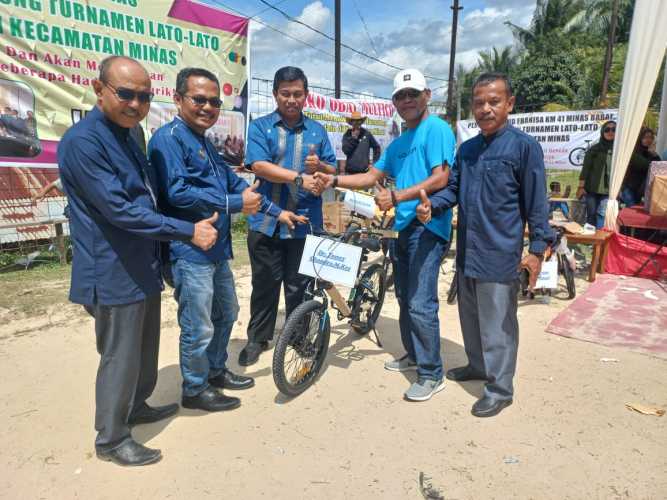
[(115, 228), (285, 149), (419, 160), (194, 181)]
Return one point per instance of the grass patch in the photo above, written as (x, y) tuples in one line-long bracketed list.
[(30, 292)]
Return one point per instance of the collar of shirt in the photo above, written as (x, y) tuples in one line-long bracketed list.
[(116, 129), (277, 118), (488, 139)]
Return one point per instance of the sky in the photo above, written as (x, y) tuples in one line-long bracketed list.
[(412, 34)]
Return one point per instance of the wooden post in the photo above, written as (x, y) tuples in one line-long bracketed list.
[(60, 242)]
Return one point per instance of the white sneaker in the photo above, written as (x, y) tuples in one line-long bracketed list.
[(403, 364)]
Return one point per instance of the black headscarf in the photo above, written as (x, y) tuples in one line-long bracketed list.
[(604, 143)]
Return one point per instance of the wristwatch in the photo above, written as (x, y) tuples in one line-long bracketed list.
[(298, 181), (335, 181)]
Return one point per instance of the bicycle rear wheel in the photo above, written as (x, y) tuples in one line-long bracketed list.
[(301, 348), (566, 270), (368, 299)]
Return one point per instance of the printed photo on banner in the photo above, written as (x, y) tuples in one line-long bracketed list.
[(18, 125)]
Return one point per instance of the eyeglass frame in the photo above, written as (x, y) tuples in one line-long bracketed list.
[(207, 100), (135, 94), (406, 93)]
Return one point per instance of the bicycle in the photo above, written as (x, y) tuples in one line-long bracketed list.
[(302, 345), (566, 267)]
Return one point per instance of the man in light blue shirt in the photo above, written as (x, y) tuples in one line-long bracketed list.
[(419, 159), (193, 179)]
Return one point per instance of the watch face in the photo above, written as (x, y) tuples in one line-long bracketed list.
[(298, 181)]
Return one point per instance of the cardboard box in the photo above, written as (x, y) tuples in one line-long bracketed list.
[(656, 168), (658, 196), (336, 216)]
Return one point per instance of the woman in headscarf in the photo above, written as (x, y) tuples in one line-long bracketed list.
[(594, 176), (634, 182)]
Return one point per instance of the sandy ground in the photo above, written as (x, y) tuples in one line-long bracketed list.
[(567, 436)]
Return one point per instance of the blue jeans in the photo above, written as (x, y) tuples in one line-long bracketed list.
[(419, 253), (207, 310), (559, 205), (596, 206), (629, 197)]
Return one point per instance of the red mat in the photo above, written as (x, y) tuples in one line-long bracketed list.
[(618, 311)]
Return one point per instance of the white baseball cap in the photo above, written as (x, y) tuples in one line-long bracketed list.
[(409, 79)]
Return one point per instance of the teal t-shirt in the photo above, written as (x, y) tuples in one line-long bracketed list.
[(410, 160)]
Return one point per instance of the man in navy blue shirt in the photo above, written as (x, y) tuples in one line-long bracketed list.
[(115, 226), (194, 182), (499, 183), (285, 149)]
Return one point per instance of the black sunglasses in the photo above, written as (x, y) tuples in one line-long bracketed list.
[(128, 95), (406, 93), (199, 100), (609, 129)]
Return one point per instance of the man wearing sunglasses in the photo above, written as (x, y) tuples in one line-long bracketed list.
[(194, 181), (419, 160), (114, 226)]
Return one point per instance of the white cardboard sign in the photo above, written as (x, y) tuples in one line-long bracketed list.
[(548, 277), (361, 203), (330, 260)]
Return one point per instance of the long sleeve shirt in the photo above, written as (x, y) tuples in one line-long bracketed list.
[(114, 223), (271, 140), (357, 150), (193, 183), (499, 184)]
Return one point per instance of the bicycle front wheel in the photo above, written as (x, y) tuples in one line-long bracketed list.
[(301, 348), (368, 299)]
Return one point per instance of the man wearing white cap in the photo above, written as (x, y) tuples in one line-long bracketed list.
[(419, 159)]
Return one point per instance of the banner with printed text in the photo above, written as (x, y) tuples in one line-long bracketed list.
[(50, 51), (332, 113), (564, 135)]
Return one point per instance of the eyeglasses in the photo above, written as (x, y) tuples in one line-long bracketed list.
[(406, 93), (199, 100), (610, 129), (128, 95)]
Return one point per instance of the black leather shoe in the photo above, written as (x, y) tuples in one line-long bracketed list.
[(463, 374), (210, 400), (148, 414), (250, 353), (489, 407), (232, 381), (130, 454)]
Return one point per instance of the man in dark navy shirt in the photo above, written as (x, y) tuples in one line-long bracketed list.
[(194, 182), (115, 226), (499, 183)]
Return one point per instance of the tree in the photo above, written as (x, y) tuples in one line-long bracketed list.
[(503, 61)]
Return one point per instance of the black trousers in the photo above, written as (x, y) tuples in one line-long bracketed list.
[(274, 262), (128, 340)]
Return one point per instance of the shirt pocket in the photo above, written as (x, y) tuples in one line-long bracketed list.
[(500, 184)]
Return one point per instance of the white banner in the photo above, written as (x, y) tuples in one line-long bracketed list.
[(330, 260), (382, 120), (564, 135)]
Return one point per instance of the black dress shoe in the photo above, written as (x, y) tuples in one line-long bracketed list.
[(130, 454), (488, 407), (463, 374), (250, 353), (232, 381), (148, 414), (210, 400)]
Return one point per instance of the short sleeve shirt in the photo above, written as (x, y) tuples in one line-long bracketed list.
[(410, 159)]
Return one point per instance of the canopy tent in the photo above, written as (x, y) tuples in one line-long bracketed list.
[(661, 142), (648, 39)]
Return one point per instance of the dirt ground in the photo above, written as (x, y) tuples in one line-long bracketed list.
[(567, 436)]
